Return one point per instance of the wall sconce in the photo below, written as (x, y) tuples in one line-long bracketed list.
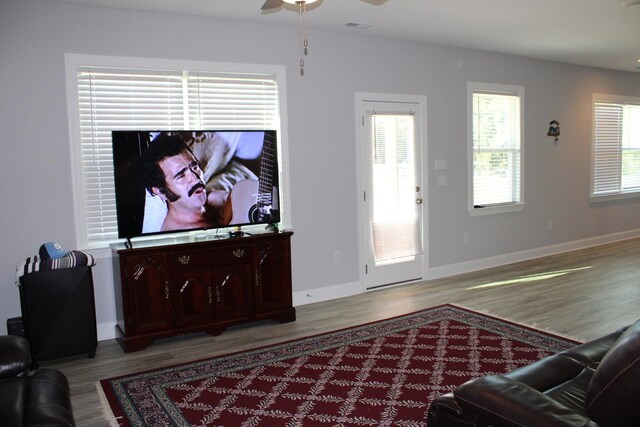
[(554, 130)]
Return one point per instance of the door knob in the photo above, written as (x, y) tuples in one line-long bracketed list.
[(418, 201)]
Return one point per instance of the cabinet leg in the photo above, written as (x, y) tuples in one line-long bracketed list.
[(134, 344), (215, 331), (286, 316)]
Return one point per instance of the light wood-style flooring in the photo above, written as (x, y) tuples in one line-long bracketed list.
[(582, 294)]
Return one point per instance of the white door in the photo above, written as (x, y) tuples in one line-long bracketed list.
[(390, 162)]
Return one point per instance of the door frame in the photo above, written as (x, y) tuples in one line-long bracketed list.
[(360, 99)]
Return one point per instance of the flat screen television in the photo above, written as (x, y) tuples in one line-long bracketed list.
[(179, 181)]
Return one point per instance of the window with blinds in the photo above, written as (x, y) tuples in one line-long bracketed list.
[(616, 147), (147, 99), (496, 145)]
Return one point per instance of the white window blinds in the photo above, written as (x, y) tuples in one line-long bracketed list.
[(395, 220), (133, 99), (496, 148), (616, 147)]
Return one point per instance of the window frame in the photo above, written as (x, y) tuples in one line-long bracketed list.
[(498, 89), (72, 64), (620, 194)]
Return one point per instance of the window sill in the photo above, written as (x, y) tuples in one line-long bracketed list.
[(615, 196), (490, 210)]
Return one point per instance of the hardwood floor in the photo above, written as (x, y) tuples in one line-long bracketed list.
[(582, 294)]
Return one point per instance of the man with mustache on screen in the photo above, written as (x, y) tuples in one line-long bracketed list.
[(173, 173)]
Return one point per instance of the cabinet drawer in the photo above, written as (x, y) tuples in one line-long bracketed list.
[(232, 255)]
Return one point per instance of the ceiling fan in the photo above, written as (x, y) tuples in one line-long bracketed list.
[(271, 5), (275, 4)]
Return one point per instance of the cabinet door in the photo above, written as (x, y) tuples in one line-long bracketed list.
[(273, 277), (231, 291), (149, 293), (193, 297)]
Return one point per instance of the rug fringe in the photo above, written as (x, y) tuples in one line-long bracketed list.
[(105, 408), (527, 325)]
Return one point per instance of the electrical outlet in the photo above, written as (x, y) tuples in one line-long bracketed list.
[(465, 238), (549, 225), (337, 257)]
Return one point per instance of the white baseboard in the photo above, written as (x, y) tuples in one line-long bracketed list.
[(326, 293), (355, 288), (496, 261), (106, 331)]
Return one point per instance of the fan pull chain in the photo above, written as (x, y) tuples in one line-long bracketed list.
[(302, 12)]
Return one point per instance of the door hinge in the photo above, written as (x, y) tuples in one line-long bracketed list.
[(366, 269), (364, 194)]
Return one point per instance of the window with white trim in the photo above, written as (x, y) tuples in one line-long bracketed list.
[(107, 94), (495, 148), (616, 147)]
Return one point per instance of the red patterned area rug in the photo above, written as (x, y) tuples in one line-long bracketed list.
[(384, 373)]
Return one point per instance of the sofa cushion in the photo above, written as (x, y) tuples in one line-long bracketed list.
[(592, 352), (547, 373), (612, 394), (572, 393)]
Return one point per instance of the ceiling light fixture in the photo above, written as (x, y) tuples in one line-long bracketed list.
[(304, 41), (273, 5)]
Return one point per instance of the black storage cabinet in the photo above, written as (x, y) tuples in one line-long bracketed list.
[(58, 312)]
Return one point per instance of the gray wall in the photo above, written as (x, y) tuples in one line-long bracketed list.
[(35, 166)]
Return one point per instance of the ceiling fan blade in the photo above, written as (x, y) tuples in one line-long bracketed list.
[(272, 4)]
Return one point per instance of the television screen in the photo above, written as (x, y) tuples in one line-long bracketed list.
[(170, 181)]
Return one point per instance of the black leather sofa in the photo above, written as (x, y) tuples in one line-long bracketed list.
[(596, 384), (38, 399)]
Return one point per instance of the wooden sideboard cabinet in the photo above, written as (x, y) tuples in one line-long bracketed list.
[(207, 286)]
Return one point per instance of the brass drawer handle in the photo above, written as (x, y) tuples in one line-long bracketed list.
[(166, 290), (210, 295), (239, 253), (138, 272), (184, 286), (184, 259)]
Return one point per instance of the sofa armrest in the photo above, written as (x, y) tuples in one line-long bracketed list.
[(15, 356), (444, 411), (13, 401), (48, 399), (503, 402)]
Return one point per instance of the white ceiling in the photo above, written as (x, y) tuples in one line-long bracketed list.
[(599, 33)]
